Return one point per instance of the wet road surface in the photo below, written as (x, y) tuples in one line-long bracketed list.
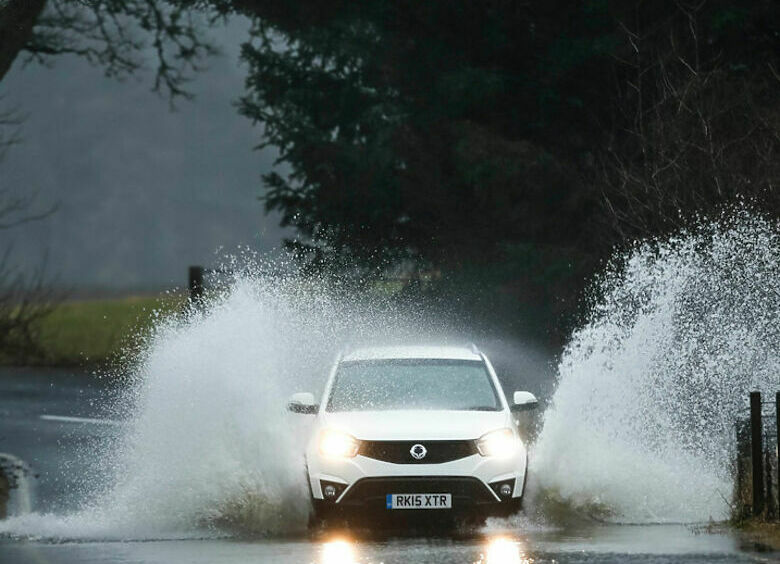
[(54, 447)]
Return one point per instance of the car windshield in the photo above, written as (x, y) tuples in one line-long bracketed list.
[(381, 385)]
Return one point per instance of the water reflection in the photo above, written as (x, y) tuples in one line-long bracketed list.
[(502, 550), (338, 551), (494, 550)]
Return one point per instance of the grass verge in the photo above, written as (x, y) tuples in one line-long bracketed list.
[(93, 332), (765, 533)]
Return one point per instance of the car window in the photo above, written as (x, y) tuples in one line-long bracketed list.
[(413, 384)]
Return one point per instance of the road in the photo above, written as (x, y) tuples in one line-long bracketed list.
[(45, 419)]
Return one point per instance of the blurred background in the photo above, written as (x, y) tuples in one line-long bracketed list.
[(489, 154)]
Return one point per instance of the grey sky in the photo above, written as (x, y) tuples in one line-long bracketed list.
[(143, 191)]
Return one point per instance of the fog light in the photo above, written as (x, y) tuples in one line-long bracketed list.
[(503, 489), (331, 491)]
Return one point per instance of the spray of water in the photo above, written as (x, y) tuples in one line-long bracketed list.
[(209, 448), (641, 426)]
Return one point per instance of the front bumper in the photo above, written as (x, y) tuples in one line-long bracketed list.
[(362, 483)]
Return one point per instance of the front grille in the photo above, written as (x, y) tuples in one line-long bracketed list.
[(372, 492), (399, 452)]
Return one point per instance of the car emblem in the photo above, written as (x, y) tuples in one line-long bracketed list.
[(418, 451)]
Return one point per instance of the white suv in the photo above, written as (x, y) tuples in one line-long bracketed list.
[(405, 431)]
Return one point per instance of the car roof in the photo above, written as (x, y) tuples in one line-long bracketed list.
[(412, 352)]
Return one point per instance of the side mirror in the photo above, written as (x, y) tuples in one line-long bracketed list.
[(302, 402), (524, 401)]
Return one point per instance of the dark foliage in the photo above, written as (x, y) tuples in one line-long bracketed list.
[(469, 136), (445, 130)]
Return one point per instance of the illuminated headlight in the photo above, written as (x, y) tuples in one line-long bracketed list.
[(501, 443), (336, 444)]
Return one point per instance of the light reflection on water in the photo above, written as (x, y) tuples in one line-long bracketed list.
[(495, 550), (338, 551), (502, 550)]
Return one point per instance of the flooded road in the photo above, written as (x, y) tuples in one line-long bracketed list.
[(608, 544), (53, 420), (643, 544)]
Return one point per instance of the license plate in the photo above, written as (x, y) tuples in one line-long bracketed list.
[(419, 501)]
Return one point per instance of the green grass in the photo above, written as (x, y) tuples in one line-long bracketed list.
[(91, 332)]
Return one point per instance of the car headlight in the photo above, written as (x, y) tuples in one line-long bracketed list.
[(501, 443), (337, 444)]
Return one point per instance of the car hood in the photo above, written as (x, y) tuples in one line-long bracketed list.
[(415, 425)]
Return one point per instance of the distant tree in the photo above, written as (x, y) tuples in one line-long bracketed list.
[(700, 123), (416, 128), (444, 130), (513, 144), (24, 297), (115, 34)]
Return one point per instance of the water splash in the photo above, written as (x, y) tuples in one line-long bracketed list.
[(209, 448), (641, 426), (639, 430)]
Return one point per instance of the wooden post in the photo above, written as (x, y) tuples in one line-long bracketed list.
[(5, 493), (742, 490), (756, 453), (769, 496), (777, 453), (196, 283)]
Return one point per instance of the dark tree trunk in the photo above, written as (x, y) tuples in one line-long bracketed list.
[(17, 19)]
